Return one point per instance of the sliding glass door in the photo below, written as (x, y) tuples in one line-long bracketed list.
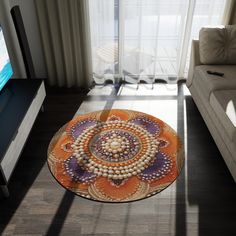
[(153, 35), (104, 27), (147, 39)]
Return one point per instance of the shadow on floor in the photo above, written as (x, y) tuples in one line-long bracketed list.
[(211, 187), (34, 155)]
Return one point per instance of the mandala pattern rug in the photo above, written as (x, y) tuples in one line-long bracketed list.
[(115, 155)]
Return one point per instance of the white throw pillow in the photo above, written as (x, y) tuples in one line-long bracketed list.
[(218, 45)]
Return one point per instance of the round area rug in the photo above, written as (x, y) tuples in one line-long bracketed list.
[(115, 155)]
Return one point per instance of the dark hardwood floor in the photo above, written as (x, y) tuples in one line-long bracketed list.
[(202, 201)]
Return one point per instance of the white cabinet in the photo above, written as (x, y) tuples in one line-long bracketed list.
[(17, 140)]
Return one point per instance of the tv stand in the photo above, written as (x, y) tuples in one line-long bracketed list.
[(5, 96), (22, 100)]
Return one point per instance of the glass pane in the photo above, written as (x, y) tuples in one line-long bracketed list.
[(104, 16), (153, 34), (206, 13)]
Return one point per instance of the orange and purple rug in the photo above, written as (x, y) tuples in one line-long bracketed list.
[(115, 155)]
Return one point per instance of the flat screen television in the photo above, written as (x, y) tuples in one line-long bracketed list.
[(5, 64)]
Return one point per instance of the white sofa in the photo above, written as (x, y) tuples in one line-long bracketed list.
[(215, 96)]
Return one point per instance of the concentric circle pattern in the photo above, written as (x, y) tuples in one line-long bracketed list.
[(115, 155)]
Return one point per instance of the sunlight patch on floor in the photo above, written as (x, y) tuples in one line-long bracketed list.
[(101, 90), (146, 89), (90, 106), (186, 91), (164, 110), (158, 213)]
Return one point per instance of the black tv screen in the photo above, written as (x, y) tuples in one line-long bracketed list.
[(5, 65)]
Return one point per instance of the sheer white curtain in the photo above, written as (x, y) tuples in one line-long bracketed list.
[(152, 31), (205, 13), (147, 39), (104, 38), (65, 35)]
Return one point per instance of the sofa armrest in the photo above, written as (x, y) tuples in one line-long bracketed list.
[(194, 61)]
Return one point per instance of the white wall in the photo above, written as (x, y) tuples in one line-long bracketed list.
[(233, 17), (28, 12), (11, 40)]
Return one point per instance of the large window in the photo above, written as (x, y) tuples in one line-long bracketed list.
[(147, 39)]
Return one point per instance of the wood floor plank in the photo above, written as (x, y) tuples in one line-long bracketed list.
[(201, 201)]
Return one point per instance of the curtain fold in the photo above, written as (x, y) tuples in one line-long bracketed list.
[(104, 38), (228, 12), (64, 27)]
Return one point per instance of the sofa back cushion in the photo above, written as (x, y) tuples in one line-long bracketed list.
[(218, 45)]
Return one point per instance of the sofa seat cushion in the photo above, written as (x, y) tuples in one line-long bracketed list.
[(209, 83), (223, 102)]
